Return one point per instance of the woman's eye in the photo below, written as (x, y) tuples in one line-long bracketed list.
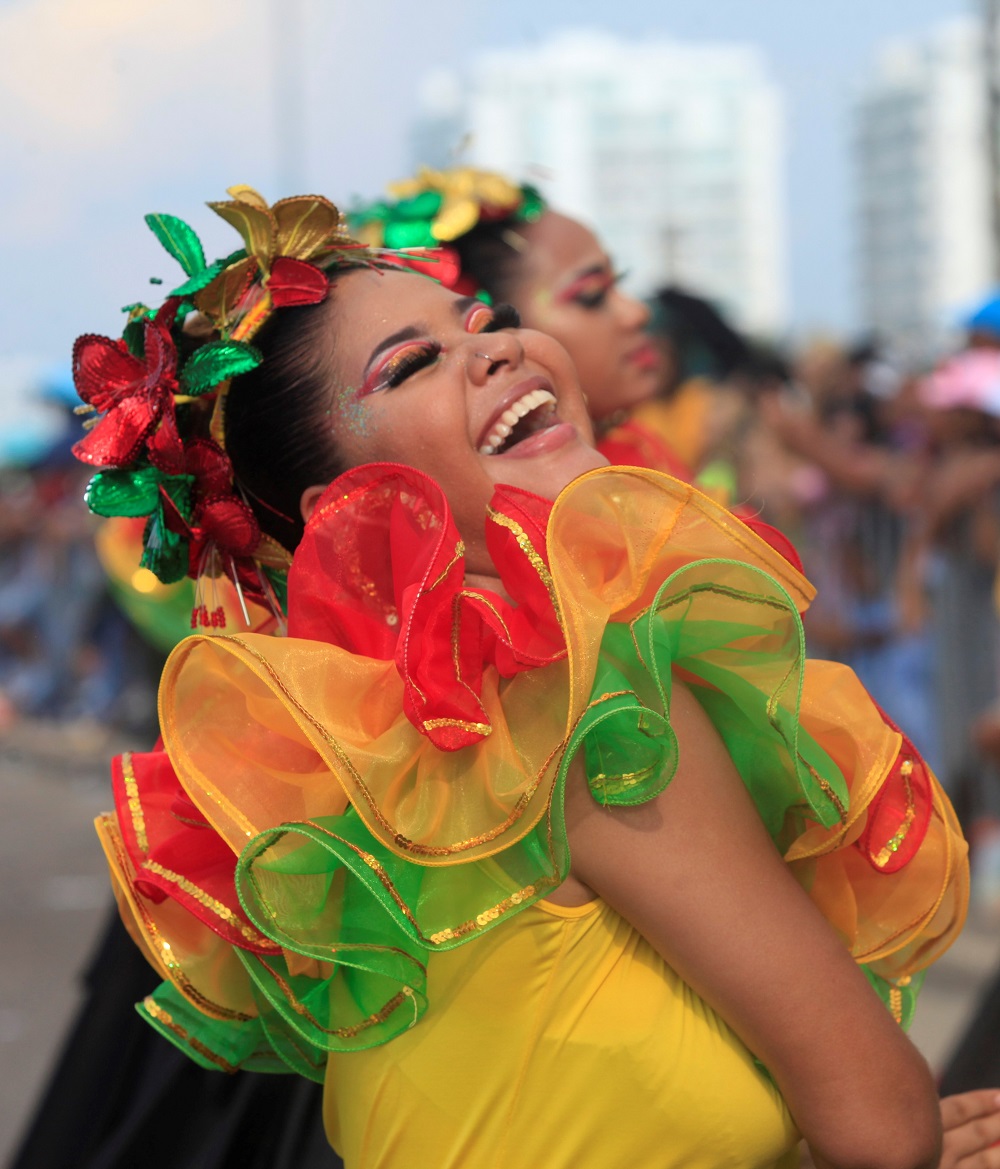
[(479, 319), (593, 292), (401, 365), (503, 316)]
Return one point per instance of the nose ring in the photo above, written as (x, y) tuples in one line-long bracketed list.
[(484, 356)]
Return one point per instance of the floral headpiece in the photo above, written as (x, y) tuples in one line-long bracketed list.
[(437, 207), (158, 393)]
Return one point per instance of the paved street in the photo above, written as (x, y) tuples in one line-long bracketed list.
[(55, 896)]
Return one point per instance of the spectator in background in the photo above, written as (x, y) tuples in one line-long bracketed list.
[(67, 655), (855, 483), (961, 530)]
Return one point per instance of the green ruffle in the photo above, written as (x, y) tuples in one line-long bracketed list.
[(330, 892)]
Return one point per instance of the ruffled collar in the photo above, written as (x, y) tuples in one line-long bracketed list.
[(380, 572)]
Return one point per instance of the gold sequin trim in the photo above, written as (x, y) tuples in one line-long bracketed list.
[(494, 912), (401, 841), (459, 553), (164, 949), (373, 1020), (827, 790), (431, 724), (725, 591), (894, 844), (774, 697), (376, 867), (134, 803), (208, 901), (896, 998), (434, 724), (163, 1017), (752, 598), (492, 608), (526, 546)]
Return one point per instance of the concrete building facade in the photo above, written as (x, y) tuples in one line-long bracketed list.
[(924, 229), (673, 152)]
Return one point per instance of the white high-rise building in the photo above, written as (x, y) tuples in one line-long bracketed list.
[(672, 152), (924, 224)]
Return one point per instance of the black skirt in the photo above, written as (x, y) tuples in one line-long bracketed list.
[(121, 1096), (975, 1063)]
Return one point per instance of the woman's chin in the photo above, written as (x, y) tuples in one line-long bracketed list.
[(640, 387), (545, 462)]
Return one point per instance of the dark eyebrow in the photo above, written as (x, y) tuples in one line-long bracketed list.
[(410, 333)]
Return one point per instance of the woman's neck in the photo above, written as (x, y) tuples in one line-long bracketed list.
[(480, 580)]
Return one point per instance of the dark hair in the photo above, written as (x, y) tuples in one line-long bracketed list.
[(704, 342), (277, 419), (490, 255)]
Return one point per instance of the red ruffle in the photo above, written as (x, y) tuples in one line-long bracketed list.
[(380, 571), (174, 852), (633, 445), (899, 816)]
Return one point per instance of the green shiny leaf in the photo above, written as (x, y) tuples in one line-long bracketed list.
[(179, 240), (165, 553), (134, 336), (407, 234), (359, 216), (423, 206), (279, 582), (532, 204), (133, 492), (179, 488), (202, 279), (215, 363)]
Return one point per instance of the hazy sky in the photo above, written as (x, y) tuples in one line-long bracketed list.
[(111, 108)]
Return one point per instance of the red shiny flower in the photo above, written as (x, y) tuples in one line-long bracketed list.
[(219, 516), (443, 264), (380, 572), (134, 398)]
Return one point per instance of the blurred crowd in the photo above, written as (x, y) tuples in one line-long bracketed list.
[(887, 480), (71, 664)]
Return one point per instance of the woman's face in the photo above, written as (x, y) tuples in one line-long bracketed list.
[(568, 289), (455, 389)]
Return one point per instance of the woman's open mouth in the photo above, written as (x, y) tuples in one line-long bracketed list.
[(524, 415)]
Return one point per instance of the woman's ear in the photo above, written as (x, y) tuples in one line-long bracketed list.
[(310, 497)]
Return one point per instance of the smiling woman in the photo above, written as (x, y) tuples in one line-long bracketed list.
[(536, 835), (504, 243)]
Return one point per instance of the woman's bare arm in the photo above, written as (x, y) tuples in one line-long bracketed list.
[(695, 872)]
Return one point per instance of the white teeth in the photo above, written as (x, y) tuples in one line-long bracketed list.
[(512, 415)]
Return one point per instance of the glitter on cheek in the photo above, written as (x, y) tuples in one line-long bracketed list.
[(351, 416)]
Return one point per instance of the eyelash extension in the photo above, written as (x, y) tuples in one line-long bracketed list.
[(401, 365), (505, 316), (598, 296)]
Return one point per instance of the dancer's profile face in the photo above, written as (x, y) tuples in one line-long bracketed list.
[(455, 389), (567, 287)]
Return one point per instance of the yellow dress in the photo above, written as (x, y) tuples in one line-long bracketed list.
[(340, 862), (563, 1041)]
